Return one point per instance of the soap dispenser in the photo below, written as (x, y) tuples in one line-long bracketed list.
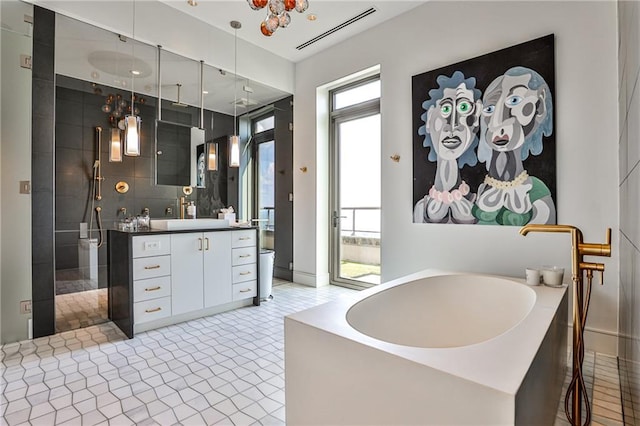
[(191, 210)]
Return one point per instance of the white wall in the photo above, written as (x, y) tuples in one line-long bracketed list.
[(15, 165), (438, 34)]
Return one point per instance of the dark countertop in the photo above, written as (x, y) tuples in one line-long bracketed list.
[(184, 231)]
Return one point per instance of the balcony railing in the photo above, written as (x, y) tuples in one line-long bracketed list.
[(362, 221), (356, 221)]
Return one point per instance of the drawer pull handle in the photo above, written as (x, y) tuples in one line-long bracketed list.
[(242, 256), (244, 238), (150, 311), (245, 291), (153, 288), (152, 267), (245, 273)]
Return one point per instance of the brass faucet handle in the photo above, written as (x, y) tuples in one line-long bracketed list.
[(591, 249), (592, 266)]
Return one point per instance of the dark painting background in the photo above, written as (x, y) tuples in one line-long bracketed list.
[(536, 54)]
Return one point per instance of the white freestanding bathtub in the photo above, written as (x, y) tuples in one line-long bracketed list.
[(432, 348)]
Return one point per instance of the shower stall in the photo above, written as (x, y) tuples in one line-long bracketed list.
[(81, 294)]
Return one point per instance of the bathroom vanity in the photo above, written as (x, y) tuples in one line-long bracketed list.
[(162, 277)]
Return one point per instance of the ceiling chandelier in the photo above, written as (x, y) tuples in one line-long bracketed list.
[(277, 13)]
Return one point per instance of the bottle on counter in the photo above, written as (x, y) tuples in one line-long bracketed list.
[(191, 210)]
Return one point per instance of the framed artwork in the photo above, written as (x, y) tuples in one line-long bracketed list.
[(484, 140)]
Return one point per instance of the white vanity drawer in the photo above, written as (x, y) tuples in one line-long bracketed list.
[(150, 267), (243, 256), (151, 245), (244, 273), (150, 310), (152, 288), (245, 290), (243, 238)]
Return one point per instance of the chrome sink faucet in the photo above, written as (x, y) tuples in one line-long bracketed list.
[(576, 390)]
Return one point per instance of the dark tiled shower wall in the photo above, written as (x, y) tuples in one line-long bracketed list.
[(78, 113), (42, 175)]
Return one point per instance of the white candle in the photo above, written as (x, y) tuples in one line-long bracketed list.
[(552, 275)]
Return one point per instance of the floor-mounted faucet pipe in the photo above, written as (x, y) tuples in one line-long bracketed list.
[(576, 392)]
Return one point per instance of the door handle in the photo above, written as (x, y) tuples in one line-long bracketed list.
[(199, 244), (207, 241), (336, 219)]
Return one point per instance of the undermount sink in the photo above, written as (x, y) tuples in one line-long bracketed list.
[(179, 224)]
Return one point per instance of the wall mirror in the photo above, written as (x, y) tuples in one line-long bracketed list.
[(99, 62), (179, 148)]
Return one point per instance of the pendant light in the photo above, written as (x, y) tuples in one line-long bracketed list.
[(211, 148), (115, 146), (234, 141), (212, 156), (132, 121)]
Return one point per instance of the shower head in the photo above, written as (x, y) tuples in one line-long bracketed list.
[(96, 164), (179, 104)]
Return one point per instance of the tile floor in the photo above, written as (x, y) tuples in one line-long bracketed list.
[(81, 309), (603, 388), (223, 369)]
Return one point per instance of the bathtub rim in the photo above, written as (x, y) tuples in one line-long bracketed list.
[(482, 363)]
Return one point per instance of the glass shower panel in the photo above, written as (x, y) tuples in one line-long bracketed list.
[(15, 157)]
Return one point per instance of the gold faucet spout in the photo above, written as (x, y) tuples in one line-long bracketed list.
[(546, 228)]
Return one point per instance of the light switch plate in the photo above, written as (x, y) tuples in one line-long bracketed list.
[(25, 187)]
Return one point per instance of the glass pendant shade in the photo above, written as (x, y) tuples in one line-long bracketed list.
[(212, 156), (115, 146), (302, 5), (234, 156), (284, 20), (132, 136), (272, 22), (265, 31)]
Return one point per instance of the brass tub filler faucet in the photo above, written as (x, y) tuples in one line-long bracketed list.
[(576, 391)]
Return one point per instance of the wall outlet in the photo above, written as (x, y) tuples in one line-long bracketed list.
[(25, 307)]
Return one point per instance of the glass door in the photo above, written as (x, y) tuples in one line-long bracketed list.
[(264, 153), (355, 199), (265, 186)]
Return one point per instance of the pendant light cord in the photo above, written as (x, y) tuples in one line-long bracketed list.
[(133, 57), (235, 82)]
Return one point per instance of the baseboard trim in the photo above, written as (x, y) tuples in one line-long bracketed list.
[(311, 280), (600, 341)]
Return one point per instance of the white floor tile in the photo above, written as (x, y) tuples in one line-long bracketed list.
[(223, 369)]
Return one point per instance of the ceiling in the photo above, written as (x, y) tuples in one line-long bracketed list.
[(219, 13), (89, 53)]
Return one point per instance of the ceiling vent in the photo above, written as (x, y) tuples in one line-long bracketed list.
[(337, 28)]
